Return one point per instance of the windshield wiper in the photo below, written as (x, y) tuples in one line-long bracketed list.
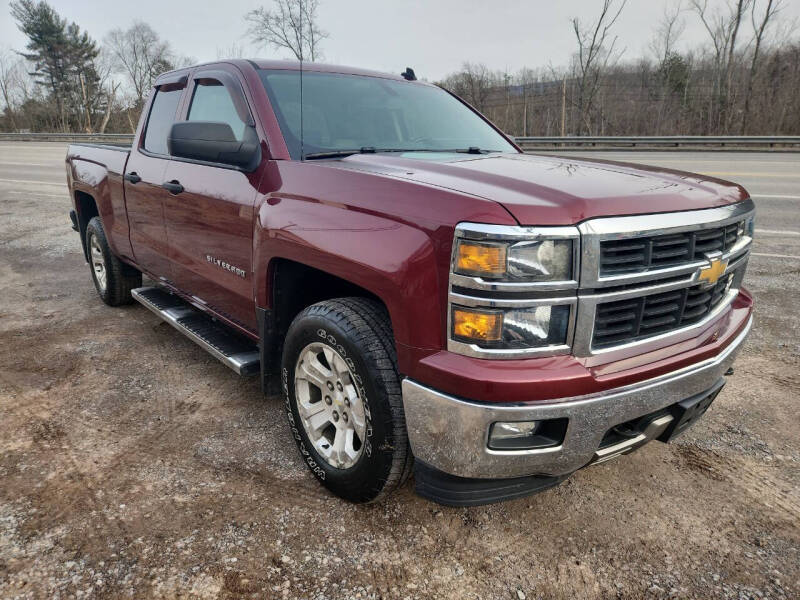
[(474, 150), (339, 153), (373, 150), (362, 150), (470, 150)]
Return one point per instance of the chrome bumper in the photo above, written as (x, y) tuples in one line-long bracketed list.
[(451, 435)]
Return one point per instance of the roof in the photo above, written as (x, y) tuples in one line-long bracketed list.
[(321, 68), (290, 65)]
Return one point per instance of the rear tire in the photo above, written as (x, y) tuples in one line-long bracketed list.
[(343, 398), (112, 278)]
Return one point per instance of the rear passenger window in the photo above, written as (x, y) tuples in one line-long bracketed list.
[(162, 116), (212, 102)]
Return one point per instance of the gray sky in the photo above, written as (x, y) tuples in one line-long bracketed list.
[(434, 37)]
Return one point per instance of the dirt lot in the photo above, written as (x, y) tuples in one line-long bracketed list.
[(132, 464)]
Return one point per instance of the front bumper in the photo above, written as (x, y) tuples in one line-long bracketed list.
[(450, 435)]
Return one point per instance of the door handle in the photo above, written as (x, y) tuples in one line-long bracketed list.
[(173, 187), (132, 177)]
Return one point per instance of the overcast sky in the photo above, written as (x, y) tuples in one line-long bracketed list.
[(434, 37)]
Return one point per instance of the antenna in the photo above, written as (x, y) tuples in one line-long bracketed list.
[(302, 133)]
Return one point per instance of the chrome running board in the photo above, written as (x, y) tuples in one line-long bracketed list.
[(231, 349)]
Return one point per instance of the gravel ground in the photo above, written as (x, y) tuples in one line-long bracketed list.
[(132, 464)]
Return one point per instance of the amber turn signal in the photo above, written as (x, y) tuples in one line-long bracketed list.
[(482, 259), (477, 325)]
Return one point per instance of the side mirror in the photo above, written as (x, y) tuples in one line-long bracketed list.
[(211, 141)]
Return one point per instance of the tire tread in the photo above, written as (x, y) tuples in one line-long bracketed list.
[(368, 326), (121, 278)]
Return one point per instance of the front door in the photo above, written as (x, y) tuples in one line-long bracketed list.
[(210, 220), (144, 176)]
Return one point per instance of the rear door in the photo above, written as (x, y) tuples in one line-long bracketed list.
[(144, 176), (210, 222)]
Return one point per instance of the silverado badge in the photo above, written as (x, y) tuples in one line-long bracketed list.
[(711, 274), (227, 266)]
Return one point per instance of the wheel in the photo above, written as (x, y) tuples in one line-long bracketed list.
[(112, 278), (343, 398)]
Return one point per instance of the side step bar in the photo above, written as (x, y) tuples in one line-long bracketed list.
[(231, 349)]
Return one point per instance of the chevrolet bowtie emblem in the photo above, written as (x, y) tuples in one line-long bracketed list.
[(711, 274)]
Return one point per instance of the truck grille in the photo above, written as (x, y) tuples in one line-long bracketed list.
[(660, 251), (624, 321)]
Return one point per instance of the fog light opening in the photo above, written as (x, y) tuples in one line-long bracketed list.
[(527, 435)]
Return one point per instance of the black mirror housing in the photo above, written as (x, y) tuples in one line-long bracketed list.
[(211, 141)]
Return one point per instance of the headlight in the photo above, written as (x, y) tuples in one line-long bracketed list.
[(746, 227), (512, 328), (512, 290), (534, 260)]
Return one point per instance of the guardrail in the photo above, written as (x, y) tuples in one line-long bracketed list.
[(723, 142), (108, 138)]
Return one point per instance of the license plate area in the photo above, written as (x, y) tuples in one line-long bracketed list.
[(687, 412)]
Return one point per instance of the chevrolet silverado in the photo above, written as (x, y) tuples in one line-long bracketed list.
[(426, 297)]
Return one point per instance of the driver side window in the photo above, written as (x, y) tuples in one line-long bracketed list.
[(212, 102)]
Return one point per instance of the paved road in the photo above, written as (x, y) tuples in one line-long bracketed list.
[(133, 464), (773, 179)]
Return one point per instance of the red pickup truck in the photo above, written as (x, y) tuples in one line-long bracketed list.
[(426, 296)]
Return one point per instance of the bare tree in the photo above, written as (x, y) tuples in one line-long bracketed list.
[(593, 56), (288, 25), (473, 83), (668, 31), (723, 29), (111, 101), (233, 51), (759, 29), (105, 66), (671, 68), (11, 72), (526, 79), (140, 55)]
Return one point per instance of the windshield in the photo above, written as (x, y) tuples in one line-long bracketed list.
[(360, 113)]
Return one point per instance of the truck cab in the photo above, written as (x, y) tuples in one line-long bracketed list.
[(425, 297)]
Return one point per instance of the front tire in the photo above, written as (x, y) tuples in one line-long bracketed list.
[(343, 398), (112, 278)]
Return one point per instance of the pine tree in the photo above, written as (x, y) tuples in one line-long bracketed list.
[(63, 60)]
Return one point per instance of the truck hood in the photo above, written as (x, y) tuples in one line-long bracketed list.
[(553, 190)]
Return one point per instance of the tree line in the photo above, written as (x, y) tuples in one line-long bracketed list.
[(64, 81), (742, 80)]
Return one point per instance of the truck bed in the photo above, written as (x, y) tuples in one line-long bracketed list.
[(112, 156)]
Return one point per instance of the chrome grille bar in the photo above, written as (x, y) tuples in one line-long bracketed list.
[(667, 303), (664, 294), (596, 231)]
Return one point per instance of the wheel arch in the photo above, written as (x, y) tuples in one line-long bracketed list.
[(288, 294), (86, 209)]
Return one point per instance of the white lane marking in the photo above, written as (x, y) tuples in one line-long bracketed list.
[(751, 174), (776, 196), (33, 193), (777, 232), (32, 182), (24, 164), (764, 254), (660, 162)]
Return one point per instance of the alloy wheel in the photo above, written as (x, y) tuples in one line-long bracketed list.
[(330, 407), (98, 263)]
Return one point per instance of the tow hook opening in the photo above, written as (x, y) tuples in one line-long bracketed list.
[(627, 437), (663, 425)]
